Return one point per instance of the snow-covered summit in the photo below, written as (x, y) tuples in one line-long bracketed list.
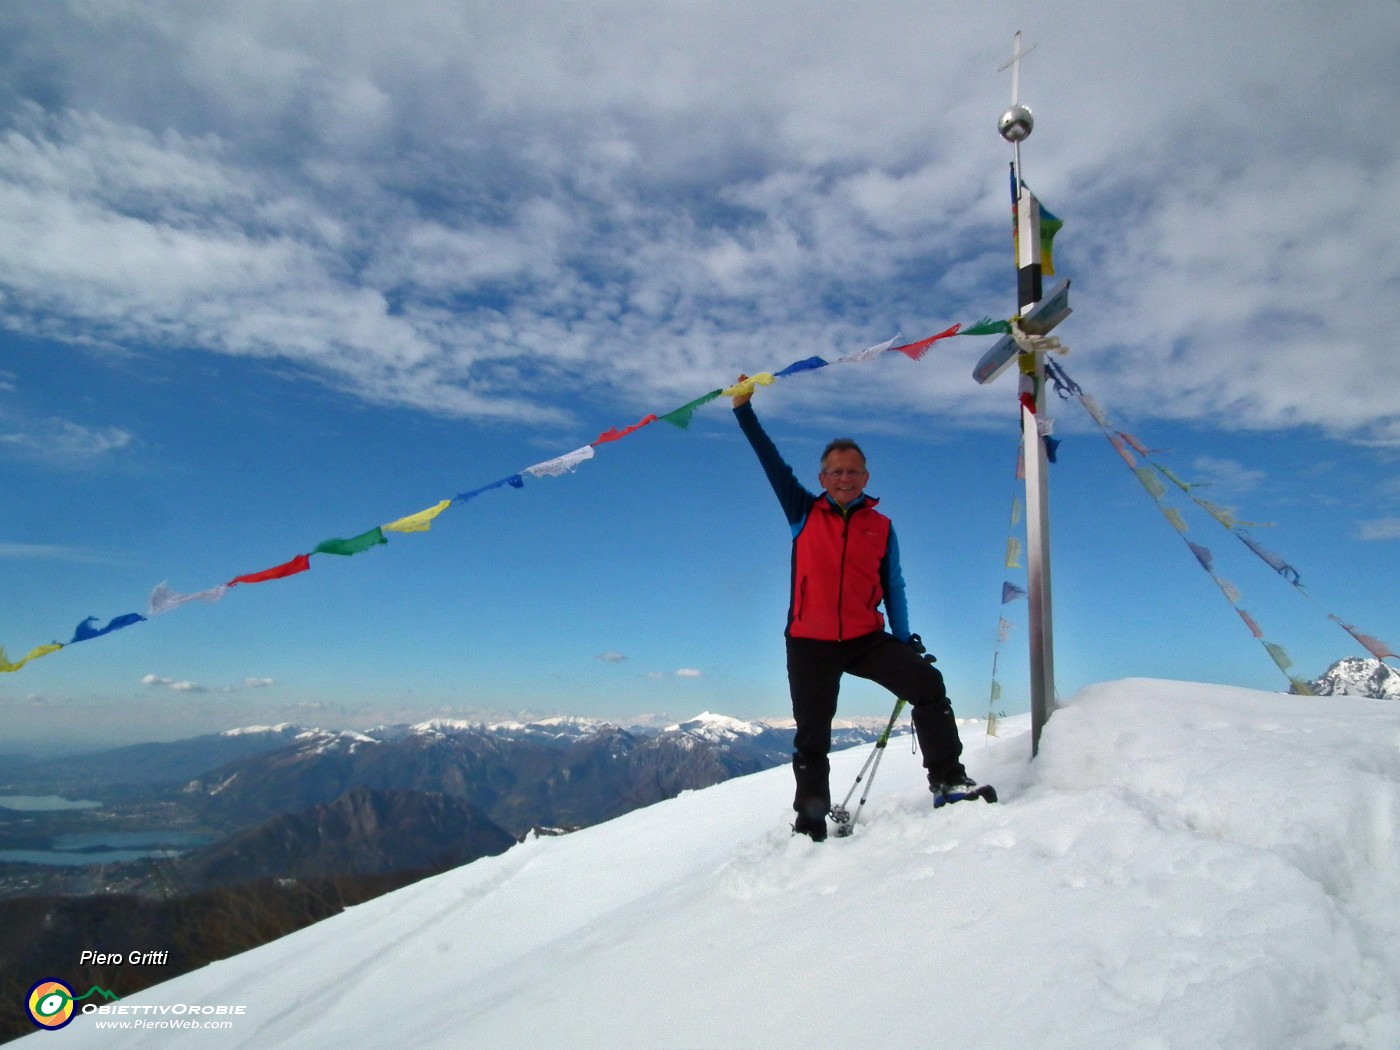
[(280, 727), (713, 726), (1356, 676), (1182, 866)]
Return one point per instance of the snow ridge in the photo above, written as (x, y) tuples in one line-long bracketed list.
[(1183, 866)]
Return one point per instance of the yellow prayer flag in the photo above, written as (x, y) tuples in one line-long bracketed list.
[(1013, 553), (34, 654), (746, 387), (420, 522)]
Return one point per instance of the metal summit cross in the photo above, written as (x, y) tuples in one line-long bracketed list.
[(1037, 315)]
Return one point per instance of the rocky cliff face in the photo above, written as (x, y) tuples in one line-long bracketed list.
[(364, 832)]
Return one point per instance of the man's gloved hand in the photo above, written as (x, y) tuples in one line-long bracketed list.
[(917, 644)]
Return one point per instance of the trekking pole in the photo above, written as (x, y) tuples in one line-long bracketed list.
[(844, 818)]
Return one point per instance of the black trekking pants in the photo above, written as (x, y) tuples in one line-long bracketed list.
[(814, 677)]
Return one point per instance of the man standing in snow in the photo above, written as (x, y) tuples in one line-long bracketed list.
[(845, 563)]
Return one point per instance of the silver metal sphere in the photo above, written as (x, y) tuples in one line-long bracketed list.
[(1016, 123)]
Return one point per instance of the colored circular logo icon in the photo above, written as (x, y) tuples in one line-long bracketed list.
[(50, 1004)]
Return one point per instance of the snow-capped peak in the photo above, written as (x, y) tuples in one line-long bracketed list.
[(280, 727), (707, 723), (1357, 676)]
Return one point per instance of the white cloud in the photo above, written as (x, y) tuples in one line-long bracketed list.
[(48, 552), (185, 686), (688, 672), (612, 657), (60, 441), (429, 203), (1379, 529), (1226, 475), (172, 684)]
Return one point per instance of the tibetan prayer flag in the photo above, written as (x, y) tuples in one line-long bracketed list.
[(564, 464), (1254, 628), (1271, 559), (1010, 592), (1374, 646), (1224, 515), (746, 386), (1184, 486), (1128, 458), (680, 417), (515, 481), (84, 632), (805, 365), (1013, 553), (1142, 449), (1050, 224), (1203, 555), (34, 654), (1150, 482), (1174, 516), (914, 351), (1281, 658), (614, 433), (868, 354), (987, 326), (163, 599), (355, 545), (1094, 409), (420, 522), (300, 563)]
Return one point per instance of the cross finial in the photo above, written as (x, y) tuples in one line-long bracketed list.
[(1014, 64)]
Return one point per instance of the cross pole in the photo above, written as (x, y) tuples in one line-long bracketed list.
[(1036, 316)]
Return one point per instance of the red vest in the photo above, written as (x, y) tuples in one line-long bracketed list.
[(837, 582)]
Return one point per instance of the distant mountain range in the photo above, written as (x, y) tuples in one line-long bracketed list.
[(560, 772), (1355, 676), (291, 802)]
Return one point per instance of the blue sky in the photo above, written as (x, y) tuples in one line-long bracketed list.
[(272, 277)]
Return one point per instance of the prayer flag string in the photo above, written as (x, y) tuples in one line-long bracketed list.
[(163, 599), (1126, 445)]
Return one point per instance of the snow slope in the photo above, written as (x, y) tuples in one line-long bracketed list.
[(1183, 866)]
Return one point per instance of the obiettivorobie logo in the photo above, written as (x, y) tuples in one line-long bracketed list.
[(51, 1002)]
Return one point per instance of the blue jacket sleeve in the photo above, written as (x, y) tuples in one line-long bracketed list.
[(896, 605), (796, 500)]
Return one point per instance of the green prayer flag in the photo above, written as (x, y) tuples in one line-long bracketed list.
[(987, 326), (363, 542), (1280, 657), (680, 417), (1150, 482)]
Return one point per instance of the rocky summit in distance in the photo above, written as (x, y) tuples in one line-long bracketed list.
[(1358, 676)]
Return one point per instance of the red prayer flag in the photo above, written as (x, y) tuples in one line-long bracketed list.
[(914, 351), (614, 433), (300, 563)]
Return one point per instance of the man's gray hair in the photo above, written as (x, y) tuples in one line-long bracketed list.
[(841, 445)]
